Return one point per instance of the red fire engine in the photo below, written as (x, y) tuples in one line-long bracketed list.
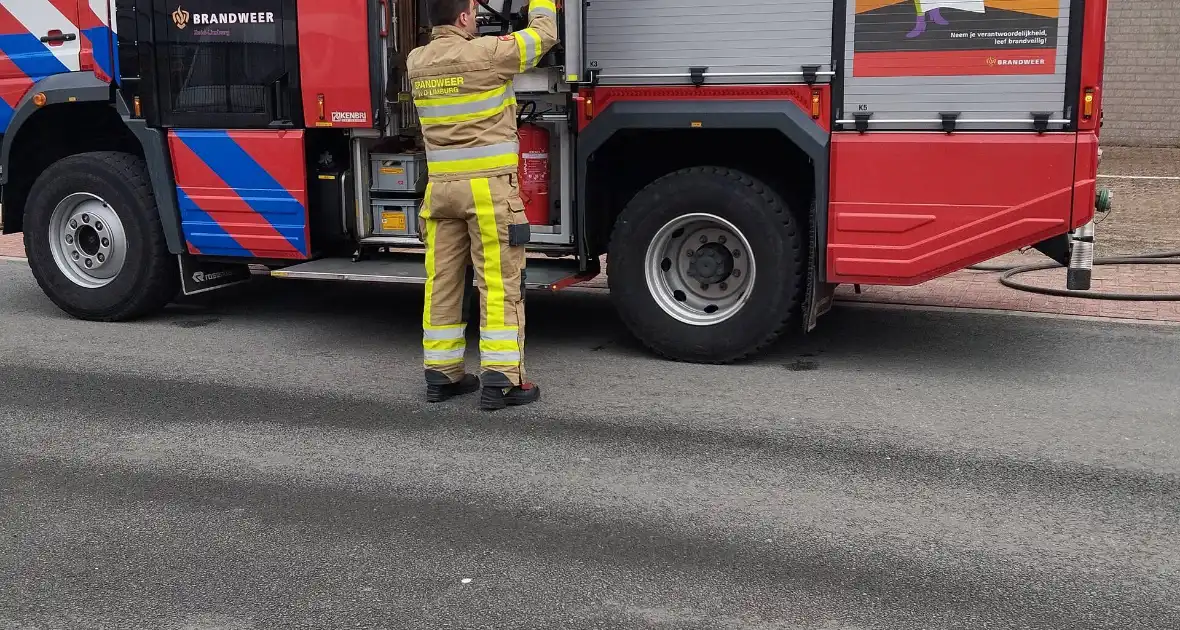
[(734, 161)]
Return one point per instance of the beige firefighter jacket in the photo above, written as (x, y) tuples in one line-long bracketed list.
[(462, 89)]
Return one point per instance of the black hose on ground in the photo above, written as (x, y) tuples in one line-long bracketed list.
[(1158, 258)]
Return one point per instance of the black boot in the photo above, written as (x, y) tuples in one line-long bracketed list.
[(498, 392), (440, 388)]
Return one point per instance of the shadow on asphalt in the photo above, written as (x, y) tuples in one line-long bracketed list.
[(361, 315), (365, 316)]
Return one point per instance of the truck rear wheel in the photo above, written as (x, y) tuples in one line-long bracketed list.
[(706, 265), (94, 240)]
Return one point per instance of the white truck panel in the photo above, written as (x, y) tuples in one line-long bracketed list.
[(655, 42), (974, 84)]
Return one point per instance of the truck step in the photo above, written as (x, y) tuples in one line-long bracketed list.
[(1081, 260), (540, 273)]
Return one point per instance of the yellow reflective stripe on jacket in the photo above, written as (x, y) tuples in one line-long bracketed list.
[(528, 42), (542, 7), (466, 108), (471, 160)]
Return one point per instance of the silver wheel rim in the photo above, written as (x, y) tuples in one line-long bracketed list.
[(87, 240), (700, 269)]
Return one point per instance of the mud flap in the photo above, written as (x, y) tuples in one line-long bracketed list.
[(817, 297), (199, 276)]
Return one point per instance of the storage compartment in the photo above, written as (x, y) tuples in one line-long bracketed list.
[(328, 213), (660, 42), (967, 65), (395, 217), (544, 172), (398, 172)]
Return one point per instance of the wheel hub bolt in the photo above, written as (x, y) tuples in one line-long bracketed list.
[(98, 225), (69, 238), (106, 242), (737, 273), (89, 263), (689, 253), (704, 285), (73, 223), (724, 286), (721, 239), (86, 218), (737, 253), (101, 258), (75, 254), (704, 239)]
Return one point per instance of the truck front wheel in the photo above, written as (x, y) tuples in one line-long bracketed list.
[(94, 240), (706, 265)]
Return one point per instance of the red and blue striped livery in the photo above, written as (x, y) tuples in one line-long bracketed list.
[(241, 193)]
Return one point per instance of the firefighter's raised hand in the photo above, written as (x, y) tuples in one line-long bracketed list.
[(522, 50)]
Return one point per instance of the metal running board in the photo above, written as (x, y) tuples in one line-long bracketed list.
[(400, 268)]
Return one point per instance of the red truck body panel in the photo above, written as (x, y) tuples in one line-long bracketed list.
[(334, 63)]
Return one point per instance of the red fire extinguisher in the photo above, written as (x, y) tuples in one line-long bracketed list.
[(533, 171)]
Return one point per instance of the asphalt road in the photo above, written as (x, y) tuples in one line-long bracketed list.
[(260, 459)]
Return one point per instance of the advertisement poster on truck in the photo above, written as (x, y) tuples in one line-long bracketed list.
[(909, 38)]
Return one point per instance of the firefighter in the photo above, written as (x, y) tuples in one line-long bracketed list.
[(472, 210)]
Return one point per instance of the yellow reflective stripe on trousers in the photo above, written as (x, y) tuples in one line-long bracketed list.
[(441, 345), (431, 239), (471, 160), (489, 238), (443, 357), (528, 42), (437, 340), (450, 331), (500, 343), (542, 7), (466, 108)]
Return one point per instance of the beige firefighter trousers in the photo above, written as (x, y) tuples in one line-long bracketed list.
[(467, 221)]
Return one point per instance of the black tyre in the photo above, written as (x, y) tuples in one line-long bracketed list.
[(706, 265), (94, 240)]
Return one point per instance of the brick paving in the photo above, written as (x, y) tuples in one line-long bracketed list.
[(982, 290), (12, 246)]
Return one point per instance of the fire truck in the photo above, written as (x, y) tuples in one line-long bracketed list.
[(733, 162)]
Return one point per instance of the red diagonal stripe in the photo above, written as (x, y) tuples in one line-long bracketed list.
[(281, 156), (86, 59), (220, 219), (15, 83), (68, 8), (8, 23), (87, 18), (251, 230)]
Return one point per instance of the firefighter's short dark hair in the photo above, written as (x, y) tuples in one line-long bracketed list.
[(443, 12)]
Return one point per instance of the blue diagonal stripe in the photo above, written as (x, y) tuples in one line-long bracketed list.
[(100, 40), (252, 183), (203, 232), (31, 56)]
